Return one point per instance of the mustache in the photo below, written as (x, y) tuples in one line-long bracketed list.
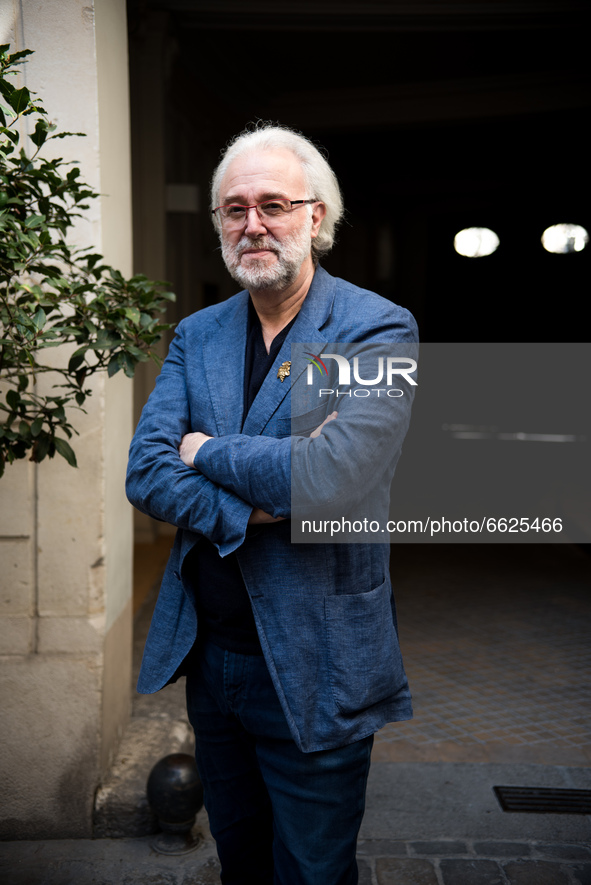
[(267, 242)]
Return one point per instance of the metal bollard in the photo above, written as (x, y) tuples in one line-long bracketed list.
[(175, 793)]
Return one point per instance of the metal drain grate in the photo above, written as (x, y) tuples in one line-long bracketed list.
[(543, 800)]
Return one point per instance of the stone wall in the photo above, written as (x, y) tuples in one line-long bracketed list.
[(66, 534)]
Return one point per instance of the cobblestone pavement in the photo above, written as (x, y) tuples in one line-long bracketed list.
[(465, 862), (496, 646), (381, 862)]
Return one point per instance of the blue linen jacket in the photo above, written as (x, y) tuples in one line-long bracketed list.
[(324, 612)]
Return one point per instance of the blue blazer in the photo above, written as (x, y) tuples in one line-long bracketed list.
[(324, 612)]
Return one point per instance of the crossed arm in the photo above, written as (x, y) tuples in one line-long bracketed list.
[(191, 444)]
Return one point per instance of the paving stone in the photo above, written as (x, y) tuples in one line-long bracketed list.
[(405, 871), (58, 873), (471, 872), (582, 873), (535, 872), (502, 849), (209, 874), (383, 847), (459, 725), (79, 872), (566, 851), (364, 872), (22, 874), (150, 879), (439, 848)]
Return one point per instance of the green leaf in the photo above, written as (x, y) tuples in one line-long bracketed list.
[(34, 220), (36, 426), (41, 447), (76, 359), (40, 318), (40, 134), (65, 450), (13, 399), (67, 134), (11, 134), (6, 88), (128, 365), (134, 351), (19, 99), (114, 365), (17, 55), (133, 314)]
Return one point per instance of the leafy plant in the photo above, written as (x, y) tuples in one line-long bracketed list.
[(54, 294)]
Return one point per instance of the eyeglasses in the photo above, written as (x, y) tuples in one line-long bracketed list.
[(234, 214)]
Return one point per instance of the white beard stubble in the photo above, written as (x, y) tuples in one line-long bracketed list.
[(291, 251)]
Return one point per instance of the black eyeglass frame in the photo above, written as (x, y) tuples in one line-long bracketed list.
[(262, 203)]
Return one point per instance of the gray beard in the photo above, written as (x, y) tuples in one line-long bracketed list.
[(291, 253)]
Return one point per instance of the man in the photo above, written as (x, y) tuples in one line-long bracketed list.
[(290, 650)]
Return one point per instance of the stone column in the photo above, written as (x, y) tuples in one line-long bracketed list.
[(148, 55), (65, 534)]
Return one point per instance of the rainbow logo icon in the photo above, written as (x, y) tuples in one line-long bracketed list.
[(316, 361)]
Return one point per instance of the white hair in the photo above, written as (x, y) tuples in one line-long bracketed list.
[(320, 179)]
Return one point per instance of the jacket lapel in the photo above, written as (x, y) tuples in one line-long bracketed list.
[(313, 315), (223, 355)]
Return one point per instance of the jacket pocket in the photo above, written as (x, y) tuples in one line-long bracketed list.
[(365, 664)]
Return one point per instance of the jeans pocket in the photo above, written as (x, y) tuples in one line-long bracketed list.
[(365, 664)]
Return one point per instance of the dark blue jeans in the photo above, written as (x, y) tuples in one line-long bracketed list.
[(279, 816)]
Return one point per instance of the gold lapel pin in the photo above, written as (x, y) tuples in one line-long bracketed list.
[(284, 370)]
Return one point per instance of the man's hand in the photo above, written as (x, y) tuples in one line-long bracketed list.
[(318, 430), (190, 445), (192, 442), (259, 517)]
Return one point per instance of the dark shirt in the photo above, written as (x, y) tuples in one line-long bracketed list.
[(223, 605)]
